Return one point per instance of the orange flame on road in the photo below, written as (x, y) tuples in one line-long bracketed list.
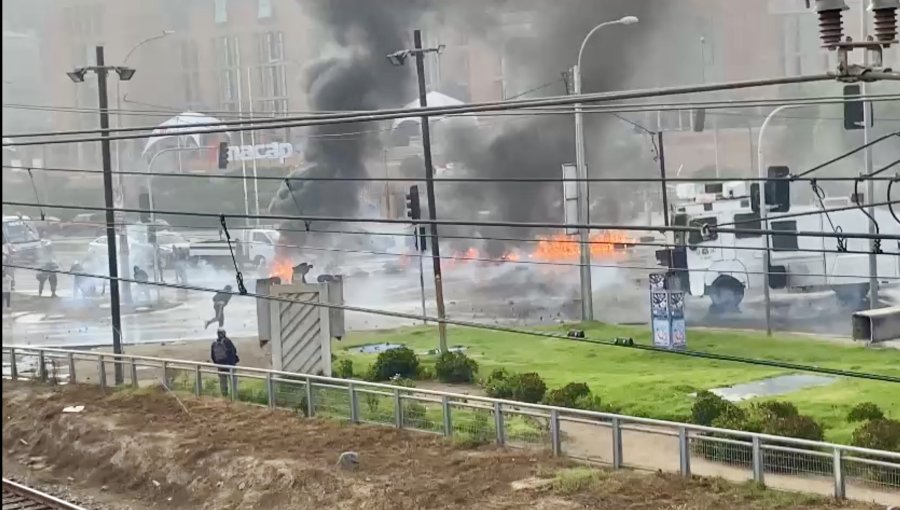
[(283, 269), (606, 244)]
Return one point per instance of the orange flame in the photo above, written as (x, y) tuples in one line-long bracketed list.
[(283, 269), (606, 244)]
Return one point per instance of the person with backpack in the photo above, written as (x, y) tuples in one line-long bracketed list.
[(223, 352), (219, 301)]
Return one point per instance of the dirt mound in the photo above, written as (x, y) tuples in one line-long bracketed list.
[(222, 455), (212, 454)]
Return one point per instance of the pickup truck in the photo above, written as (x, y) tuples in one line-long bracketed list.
[(251, 247)]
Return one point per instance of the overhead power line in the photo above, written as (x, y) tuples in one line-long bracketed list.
[(436, 179), (498, 328), (343, 118), (539, 239), (424, 221), (236, 119)]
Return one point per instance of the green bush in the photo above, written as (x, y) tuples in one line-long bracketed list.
[(401, 361), (865, 411), (344, 369), (879, 434), (800, 427), (424, 373), (527, 387), (497, 384), (568, 395), (708, 407), (455, 367), (413, 411), (774, 409)]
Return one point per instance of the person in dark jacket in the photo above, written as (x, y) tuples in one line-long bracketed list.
[(223, 352), (220, 300), (47, 274), (141, 276)]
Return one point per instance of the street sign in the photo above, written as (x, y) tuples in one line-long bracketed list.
[(570, 197)]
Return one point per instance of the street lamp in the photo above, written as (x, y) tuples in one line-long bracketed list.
[(164, 33), (587, 301), (77, 76)]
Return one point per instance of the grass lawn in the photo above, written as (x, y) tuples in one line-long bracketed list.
[(658, 384)]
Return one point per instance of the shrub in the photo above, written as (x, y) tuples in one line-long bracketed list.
[(344, 369), (424, 373), (708, 406), (732, 417), (413, 411), (497, 384), (774, 409), (455, 367), (879, 434), (568, 395), (865, 411), (800, 427), (527, 387), (402, 381), (402, 361)]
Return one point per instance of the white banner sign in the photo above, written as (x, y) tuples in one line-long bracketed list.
[(272, 150)]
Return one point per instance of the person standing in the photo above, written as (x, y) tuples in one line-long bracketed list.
[(47, 274), (8, 285), (142, 278), (220, 300), (222, 352)]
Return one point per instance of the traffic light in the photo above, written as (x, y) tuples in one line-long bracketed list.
[(854, 110), (223, 155), (413, 211), (144, 206), (778, 190)]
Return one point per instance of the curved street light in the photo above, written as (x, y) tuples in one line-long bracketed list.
[(587, 300)]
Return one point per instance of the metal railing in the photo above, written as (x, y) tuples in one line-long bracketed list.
[(617, 440)]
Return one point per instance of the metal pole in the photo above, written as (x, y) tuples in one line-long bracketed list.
[(103, 103), (584, 235), (240, 107), (662, 177), (253, 143), (867, 155), (420, 238), (429, 186)]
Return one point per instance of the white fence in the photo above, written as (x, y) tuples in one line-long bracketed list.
[(612, 439)]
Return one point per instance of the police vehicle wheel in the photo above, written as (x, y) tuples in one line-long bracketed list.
[(726, 294)]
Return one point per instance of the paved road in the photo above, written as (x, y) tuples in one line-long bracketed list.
[(515, 294)]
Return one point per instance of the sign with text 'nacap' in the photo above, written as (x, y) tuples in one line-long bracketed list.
[(272, 150)]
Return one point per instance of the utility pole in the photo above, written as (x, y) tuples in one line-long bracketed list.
[(125, 74), (584, 206), (662, 177), (867, 155), (429, 187), (77, 76)]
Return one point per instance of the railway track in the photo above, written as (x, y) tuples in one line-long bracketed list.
[(19, 497)]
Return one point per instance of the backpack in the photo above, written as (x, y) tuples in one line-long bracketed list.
[(219, 352)]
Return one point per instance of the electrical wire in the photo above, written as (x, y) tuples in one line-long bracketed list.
[(540, 239), (496, 328), (469, 223), (682, 105), (844, 155), (515, 261), (810, 213), (437, 180), (387, 114), (891, 206)]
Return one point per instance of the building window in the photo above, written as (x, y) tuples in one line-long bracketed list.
[(190, 71), (221, 11), (228, 69), (270, 93), (264, 9), (270, 47)]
